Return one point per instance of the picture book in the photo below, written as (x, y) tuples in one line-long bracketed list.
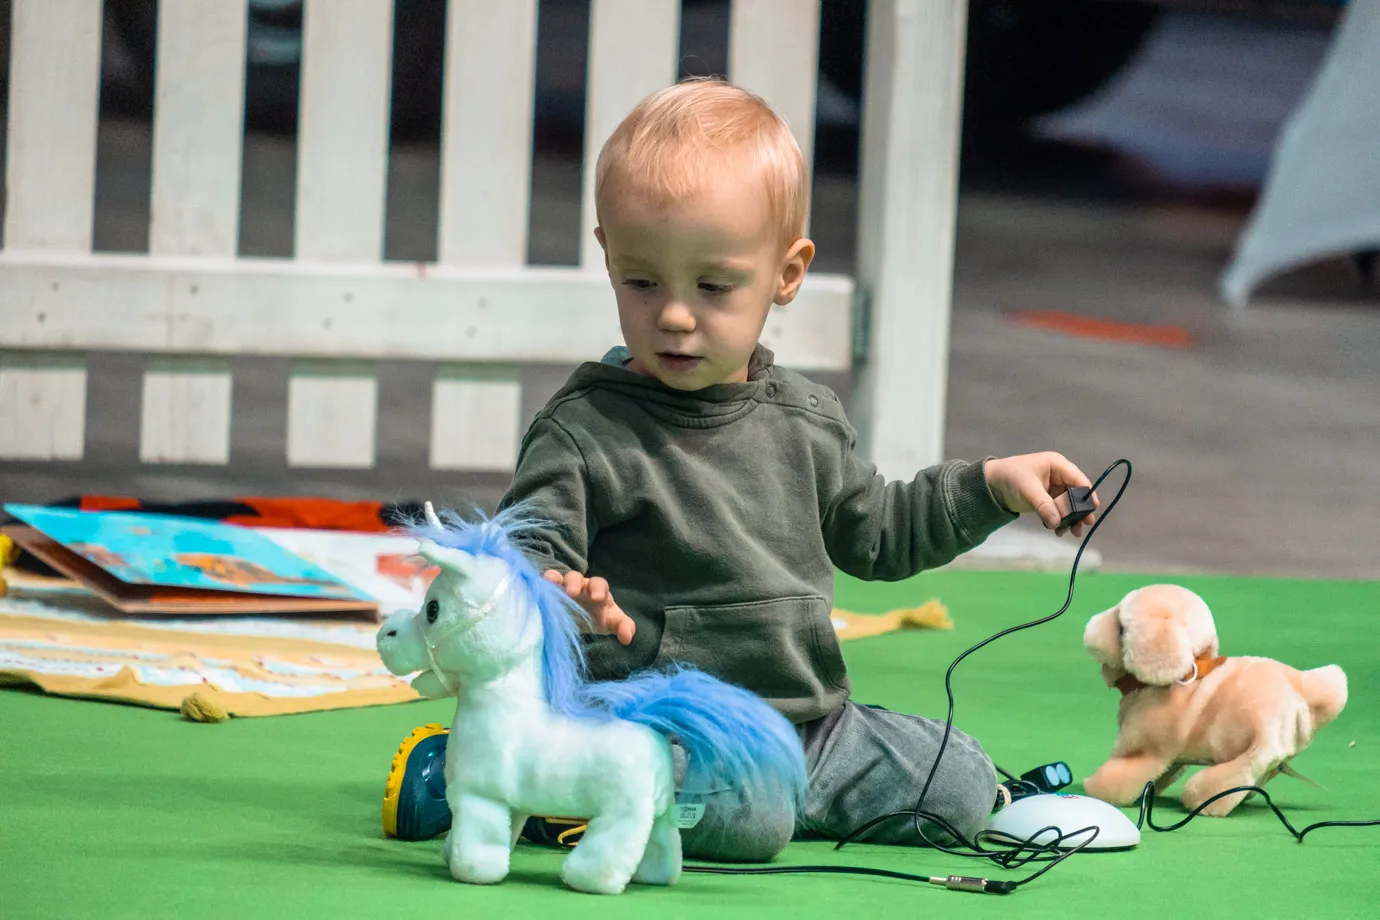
[(163, 564)]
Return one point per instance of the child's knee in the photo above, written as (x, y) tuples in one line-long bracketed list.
[(732, 830), (970, 784)]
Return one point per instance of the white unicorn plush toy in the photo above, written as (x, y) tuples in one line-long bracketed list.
[(534, 736)]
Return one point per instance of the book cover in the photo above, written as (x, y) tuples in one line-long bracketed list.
[(155, 561)]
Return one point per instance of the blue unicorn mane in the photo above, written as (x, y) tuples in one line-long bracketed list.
[(731, 737), (563, 668)]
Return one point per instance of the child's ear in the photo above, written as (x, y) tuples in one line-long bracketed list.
[(793, 269)]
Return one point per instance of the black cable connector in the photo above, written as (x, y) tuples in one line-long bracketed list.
[(979, 885), (1080, 499)]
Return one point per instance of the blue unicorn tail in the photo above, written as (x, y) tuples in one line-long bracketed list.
[(731, 738)]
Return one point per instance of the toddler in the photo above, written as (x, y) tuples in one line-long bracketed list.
[(702, 496)]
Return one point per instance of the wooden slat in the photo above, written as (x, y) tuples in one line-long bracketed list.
[(486, 160), (475, 423), (185, 416), (633, 49), (50, 171), (198, 127), (281, 307), (42, 406), (773, 50), (332, 414), (342, 173), (913, 93), (186, 411), (486, 179), (198, 133), (342, 143)]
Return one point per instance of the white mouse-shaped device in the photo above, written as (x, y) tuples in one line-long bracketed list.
[(1068, 813)]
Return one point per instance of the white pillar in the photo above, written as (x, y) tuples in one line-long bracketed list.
[(910, 153)]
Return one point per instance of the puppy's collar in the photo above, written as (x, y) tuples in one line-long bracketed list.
[(1202, 667)]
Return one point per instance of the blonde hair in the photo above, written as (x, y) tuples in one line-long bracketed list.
[(674, 141)]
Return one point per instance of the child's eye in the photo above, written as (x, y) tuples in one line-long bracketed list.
[(715, 289), (639, 284)]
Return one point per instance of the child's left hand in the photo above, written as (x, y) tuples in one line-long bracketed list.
[(1031, 482)]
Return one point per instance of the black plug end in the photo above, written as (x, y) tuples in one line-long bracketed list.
[(976, 885), (1080, 504)]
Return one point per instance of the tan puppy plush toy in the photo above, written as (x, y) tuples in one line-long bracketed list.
[(1182, 704)]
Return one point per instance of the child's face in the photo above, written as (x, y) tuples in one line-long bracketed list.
[(694, 279)]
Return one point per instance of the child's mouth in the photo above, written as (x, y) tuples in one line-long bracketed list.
[(677, 363)]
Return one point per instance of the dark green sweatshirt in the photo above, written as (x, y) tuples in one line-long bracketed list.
[(719, 516)]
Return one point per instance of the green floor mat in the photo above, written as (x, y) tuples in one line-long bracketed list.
[(109, 811)]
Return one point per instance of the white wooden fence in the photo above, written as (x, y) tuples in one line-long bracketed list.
[(479, 312)]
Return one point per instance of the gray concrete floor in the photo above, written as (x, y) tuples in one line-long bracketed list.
[(1256, 451)]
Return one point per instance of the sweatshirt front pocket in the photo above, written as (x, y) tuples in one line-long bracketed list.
[(783, 649)]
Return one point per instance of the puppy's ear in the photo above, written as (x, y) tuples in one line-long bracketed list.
[(1102, 638), (1158, 650), (1197, 619)]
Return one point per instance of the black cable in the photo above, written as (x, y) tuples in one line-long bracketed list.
[(1147, 809), (787, 870), (1007, 773), (956, 882), (1014, 853), (1010, 858), (1020, 852), (917, 813)]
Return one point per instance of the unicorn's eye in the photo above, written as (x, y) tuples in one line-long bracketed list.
[(433, 610)]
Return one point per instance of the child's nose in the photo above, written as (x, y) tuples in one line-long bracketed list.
[(676, 317)]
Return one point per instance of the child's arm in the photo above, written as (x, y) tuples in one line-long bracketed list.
[(552, 482), (891, 530)]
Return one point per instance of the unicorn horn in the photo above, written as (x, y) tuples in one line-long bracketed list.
[(431, 517)]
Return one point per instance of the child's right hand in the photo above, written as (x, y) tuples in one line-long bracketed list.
[(594, 596)]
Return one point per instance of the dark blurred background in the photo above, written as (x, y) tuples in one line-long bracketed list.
[(1111, 154), (1103, 98)]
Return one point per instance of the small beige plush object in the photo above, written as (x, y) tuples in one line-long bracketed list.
[(1243, 719), (197, 708), (929, 615)]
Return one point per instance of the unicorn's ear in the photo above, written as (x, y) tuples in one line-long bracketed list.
[(455, 560)]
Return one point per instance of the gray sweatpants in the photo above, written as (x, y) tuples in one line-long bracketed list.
[(863, 762)]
